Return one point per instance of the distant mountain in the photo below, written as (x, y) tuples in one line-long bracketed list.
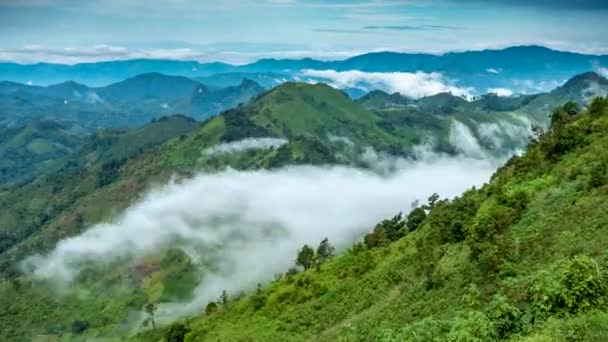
[(204, 104), (151, 86), (104, 73), (528, 69), (582, 88), (132, 102), (265, 79)]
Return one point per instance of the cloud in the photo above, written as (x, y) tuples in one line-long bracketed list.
[(251, 223), (493, 71), (602, 71), (245, 145), (545, 4), (501, 91), (464, 141), (415, 85), (412, 27)]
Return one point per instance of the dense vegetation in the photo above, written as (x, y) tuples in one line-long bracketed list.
[(523, 258), (405, 271)]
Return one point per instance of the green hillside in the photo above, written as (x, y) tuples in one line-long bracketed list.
[(524, 258), (30, 149), (317, 125)]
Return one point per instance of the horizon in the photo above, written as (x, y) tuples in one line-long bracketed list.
[(302, 58)]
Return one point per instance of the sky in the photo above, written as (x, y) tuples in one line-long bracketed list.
[(240, 31)]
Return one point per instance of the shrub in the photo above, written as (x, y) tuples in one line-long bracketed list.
[(79, 326), (177, 332), (574, 285), (503, 315)]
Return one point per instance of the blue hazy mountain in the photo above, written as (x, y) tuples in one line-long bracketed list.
[(529, 68), (132, 102)]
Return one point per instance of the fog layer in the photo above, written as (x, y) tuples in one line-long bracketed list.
[(251, 223)]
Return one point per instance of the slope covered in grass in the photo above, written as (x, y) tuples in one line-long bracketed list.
[(524, 258)]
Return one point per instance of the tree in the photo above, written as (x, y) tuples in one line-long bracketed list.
[(150, 309), (325, 251), (376, 238), (305, 257), (394, 228), (415, 218), (432, 202), (224, 298), (210, 308)]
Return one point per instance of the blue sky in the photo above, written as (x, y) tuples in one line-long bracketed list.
[(239, 31)]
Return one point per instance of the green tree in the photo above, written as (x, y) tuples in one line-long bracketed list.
[(210, 308), (432, 201), (394, 228), (376, 238), (325, 251), (415, 218), (305, 257), (150, 309)]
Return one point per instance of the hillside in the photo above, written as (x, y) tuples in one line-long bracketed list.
[(30, 149), (523, 258), (292, 124)]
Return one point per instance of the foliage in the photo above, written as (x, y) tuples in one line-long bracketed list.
[(305, 257)]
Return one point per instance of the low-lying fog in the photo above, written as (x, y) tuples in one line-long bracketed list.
[(251, 223)]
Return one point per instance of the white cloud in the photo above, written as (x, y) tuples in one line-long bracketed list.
[(501, 91), (244, 145), (493, 71), (250, 224), (463, 139), (415, 85), (602, 71)]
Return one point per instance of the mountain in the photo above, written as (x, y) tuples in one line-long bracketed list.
[(29, 149), (104, 73), (265, 79), (91, 163), (204, 104), (132, 102), (151, 86), (294, 123), (522, 258), (526, 69)]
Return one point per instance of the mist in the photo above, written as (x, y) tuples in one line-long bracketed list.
[(245, 145), (414, 85), (250, 224)]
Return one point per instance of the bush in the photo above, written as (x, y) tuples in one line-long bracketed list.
[(79, 326), (503, 315), (574, 285), (177, 332)]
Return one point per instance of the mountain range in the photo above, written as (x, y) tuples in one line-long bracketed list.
[(132, 102), (78, 178), (520, 68)]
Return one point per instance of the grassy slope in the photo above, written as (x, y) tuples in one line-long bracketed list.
[(524, 258)]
